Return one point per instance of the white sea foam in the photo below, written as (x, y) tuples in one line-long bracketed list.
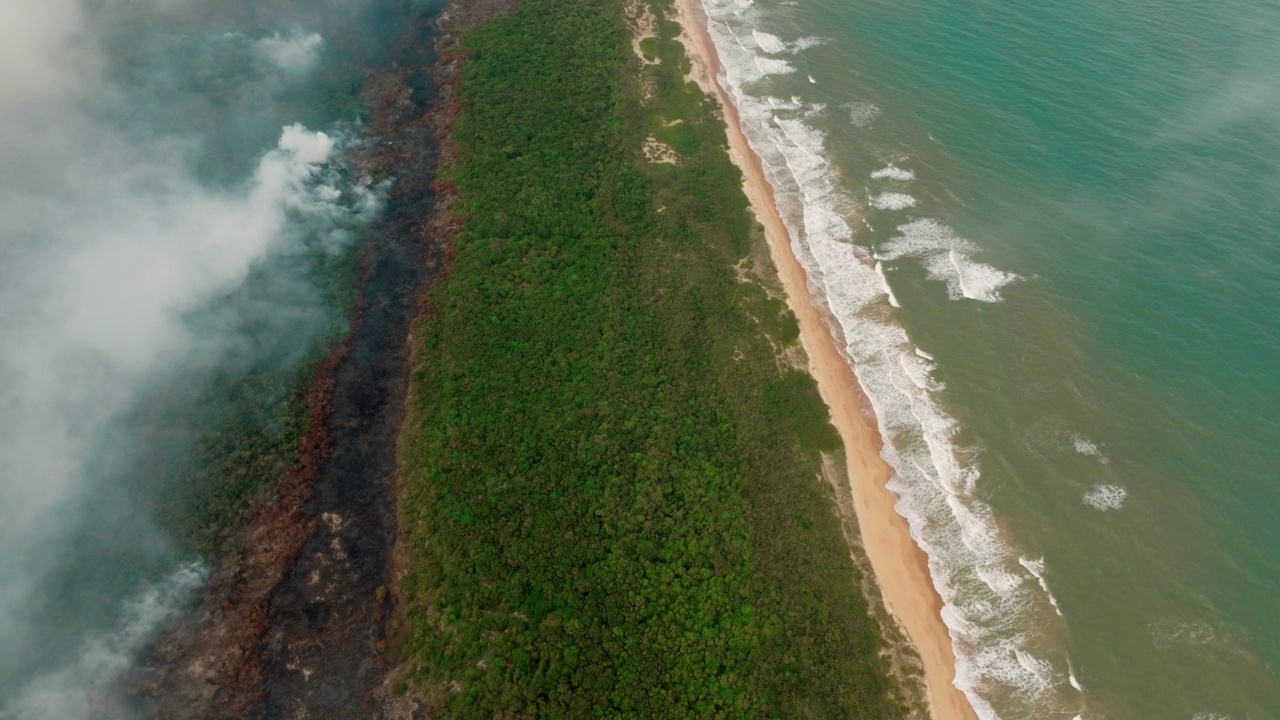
[(774, 45), (1088, 447), (1193, 633), (985, 591), (1105, 497), (1084, 447), (920, 370), (761, 66), (1001, 581), (773, 66), (769, 42), (1075, 681), (1014, 667), (893, 172), (893, 201), (947, 258), (812, 80), (1210, 716), (923, 237), (862, 113), (1037, 668), (978, 281), (1036, 568), (884, 283), (791, 103)]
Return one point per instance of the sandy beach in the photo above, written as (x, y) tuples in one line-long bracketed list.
[(900, 566)]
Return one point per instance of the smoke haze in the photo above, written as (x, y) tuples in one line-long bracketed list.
[(161, 211)]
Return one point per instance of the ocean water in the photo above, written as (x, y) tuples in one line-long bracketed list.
[(1049, 234)]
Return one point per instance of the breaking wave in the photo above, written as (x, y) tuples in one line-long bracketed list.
[(892, 201), (1105, 497), (893, 172), (990, 590), (948, 259)]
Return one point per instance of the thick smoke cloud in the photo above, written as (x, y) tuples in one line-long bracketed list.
[(295, 54), (69, 690), (111, 240)]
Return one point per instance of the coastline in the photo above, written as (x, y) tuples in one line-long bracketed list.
[(900, 567)]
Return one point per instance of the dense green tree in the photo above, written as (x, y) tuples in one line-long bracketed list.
[(610, 493)]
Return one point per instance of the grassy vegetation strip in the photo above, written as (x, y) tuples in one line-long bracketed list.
[(610, 495)]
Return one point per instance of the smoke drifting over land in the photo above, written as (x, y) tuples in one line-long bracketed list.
[(160, 209)]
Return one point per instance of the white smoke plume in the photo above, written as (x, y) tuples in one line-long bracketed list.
[(294, 54), (109, 241)]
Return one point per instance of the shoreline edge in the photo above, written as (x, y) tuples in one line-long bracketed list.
[(899, 565)]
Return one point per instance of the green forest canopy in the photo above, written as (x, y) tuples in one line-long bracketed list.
[(610, 493)]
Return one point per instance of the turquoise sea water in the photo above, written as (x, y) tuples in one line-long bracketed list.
[(1050, 234)]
